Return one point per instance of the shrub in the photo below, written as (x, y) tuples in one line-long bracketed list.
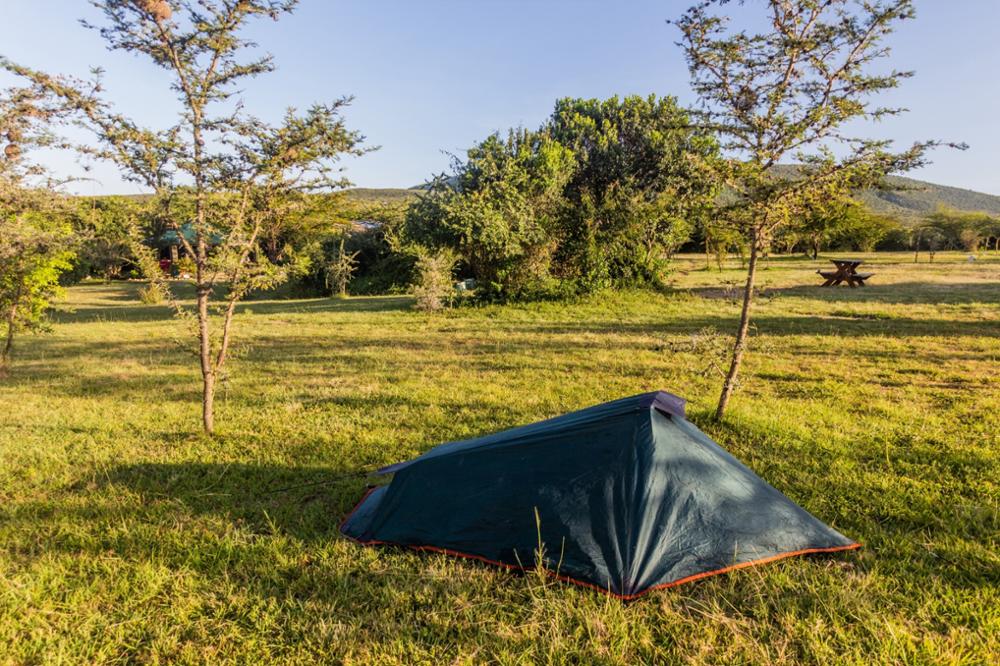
[(185, 266), (340, 270), (434, 288), (600, 195), (152, 294)]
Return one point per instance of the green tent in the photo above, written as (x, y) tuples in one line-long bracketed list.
[(626, 497), (187, 230)]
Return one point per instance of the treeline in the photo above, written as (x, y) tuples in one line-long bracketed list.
[(601, 195), (847, 225)]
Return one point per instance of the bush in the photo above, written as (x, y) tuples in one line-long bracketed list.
[(185, 266), (600, 195), (434, 288), (340, 270), (376, 266), (152, 294)]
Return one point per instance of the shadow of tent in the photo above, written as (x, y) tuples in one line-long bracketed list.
[(303, 502)]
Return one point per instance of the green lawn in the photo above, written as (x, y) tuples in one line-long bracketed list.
[(128, 537)]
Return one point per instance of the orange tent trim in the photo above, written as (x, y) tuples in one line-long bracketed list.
[(568, 579)]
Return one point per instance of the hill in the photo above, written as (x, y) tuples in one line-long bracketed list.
[(907, 197), (382, 194), (901, 197)]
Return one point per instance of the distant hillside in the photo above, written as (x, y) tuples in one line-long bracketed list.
[(909, 198), (903, 197), (912, 198), (384, 194)]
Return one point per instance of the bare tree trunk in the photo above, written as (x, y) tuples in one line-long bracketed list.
[(9, 343), (204, 285), (207, 368), (741, 334), (208, 404)]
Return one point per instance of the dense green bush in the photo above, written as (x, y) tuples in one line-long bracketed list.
[(499, 214), (638, 184), (600, 195)]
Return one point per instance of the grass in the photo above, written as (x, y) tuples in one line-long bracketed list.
[(128, 537)]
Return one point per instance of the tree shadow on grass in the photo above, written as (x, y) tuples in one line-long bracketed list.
[(529, 347), (134, 311), (255, 534), (309, 503), (896, 293)]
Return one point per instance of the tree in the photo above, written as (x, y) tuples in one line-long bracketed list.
[(36, 241), (601, 194), (639, 183), (840, 222), (104, 226), (991, 231), (957, 229), (341, 269), (819, 222), (370, 232), (719, 237), (864, 229), (497, 212), (432, 287), (239, 173), (929, 236), (788, 92), (33, 254)]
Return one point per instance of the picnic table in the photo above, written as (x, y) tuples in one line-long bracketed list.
[(847, 271)]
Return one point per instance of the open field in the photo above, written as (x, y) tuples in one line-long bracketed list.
[(128, 537)]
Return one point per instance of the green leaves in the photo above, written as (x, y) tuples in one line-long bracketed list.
[(497, 212), (601, 193), (34, 253), (797, 85), (639, 179)]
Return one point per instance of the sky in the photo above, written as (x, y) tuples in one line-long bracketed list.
[(432, 77)]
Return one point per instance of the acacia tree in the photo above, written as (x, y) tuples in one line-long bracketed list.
[(787, 93), (839, 220), (959, 229), (36, 241), (217, 171)]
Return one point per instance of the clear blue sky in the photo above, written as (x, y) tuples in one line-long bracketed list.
[(433, 76)]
